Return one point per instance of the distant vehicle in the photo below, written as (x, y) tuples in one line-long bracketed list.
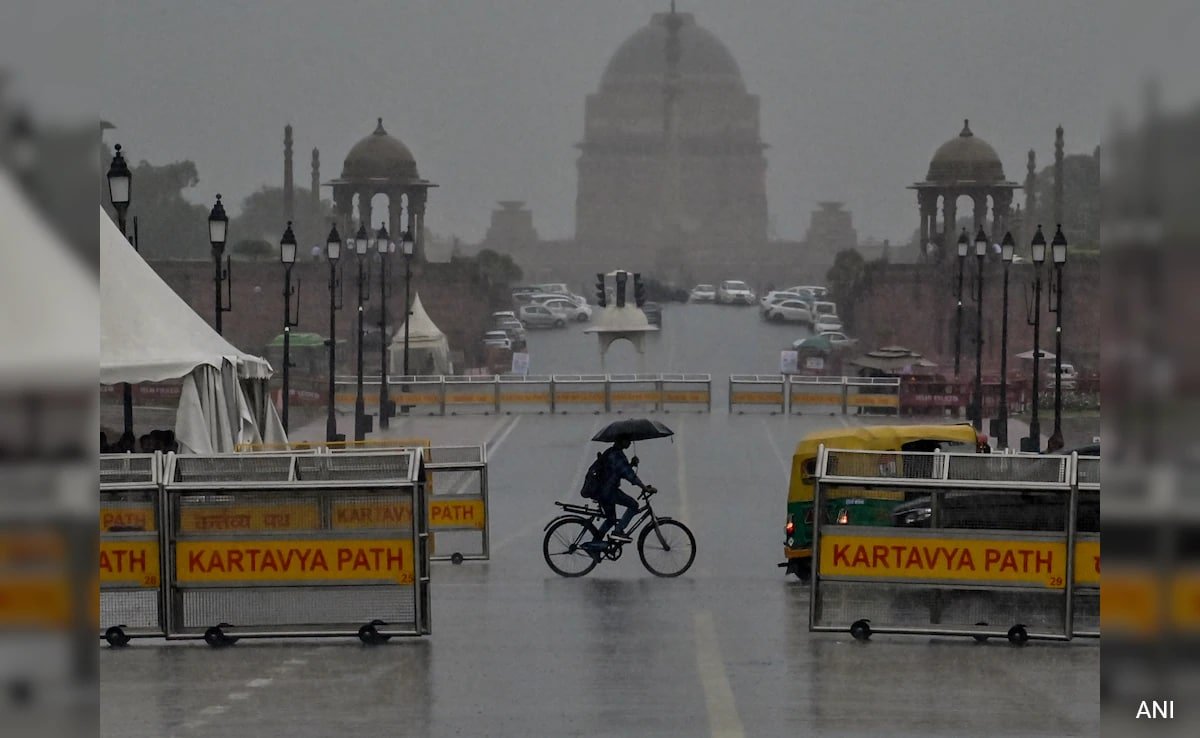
[(1070, 377), (571, 309), (539, 316), (734, 291), (514, 329), (837, 338), (827, 324), (503, 315), (816, 291), (821, 308), (795, 311), (653, 312), (775, 296), (557, 288), (498, 339), (703, 293)]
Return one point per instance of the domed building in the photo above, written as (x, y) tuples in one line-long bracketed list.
[(671, 160), (966, 165)]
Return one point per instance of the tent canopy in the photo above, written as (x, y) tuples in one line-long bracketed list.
[(429, 351), (147, 332)]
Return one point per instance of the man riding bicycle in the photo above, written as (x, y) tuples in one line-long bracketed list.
[(616, 468)]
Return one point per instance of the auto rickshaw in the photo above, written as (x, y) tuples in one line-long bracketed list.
[(867, 507)]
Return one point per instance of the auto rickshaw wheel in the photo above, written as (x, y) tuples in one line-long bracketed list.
[(116, 636), (216, 637), (1018, 635), (861, 630), (456, 558), (980, 638), (802, 568)]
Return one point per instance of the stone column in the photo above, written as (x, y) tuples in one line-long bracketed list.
[(1001, 203), (396, 216), (289, 208), (949, 225), (980, 214), (927, 209), (416, 222), (1058, 175), (343, 202), (364, 211)]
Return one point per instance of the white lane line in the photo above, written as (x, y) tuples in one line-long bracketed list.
[(260, 682), (783, 462), (493, 446), (681, 476), (214, 710), (239, 695), (723, 720)]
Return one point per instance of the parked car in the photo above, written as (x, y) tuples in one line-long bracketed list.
[(1070, 377), (514, 330), (816, 291), (793, 310), (733, 291), (539, 316), (773, 297), (827, 324), (571, 309), (498, 339), (558, 288), (703, 293), (837, 338), (653, 312), (503, 315), (823, 307)]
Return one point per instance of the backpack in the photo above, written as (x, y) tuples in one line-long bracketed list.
[(593, 479)]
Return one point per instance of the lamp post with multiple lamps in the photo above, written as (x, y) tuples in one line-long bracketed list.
[(1058, 252), (981, 246), (962, 257), (360, 251), (1007, 250), (287, 254), (120, 186), (218, 229), (333, 251), (385, 247), (1037, 252)]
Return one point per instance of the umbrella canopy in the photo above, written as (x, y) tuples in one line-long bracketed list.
[(635, 429), (892, 359), (299, 340), (1042, 354)]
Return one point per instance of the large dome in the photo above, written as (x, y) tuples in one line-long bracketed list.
[(965, 158), (642, 58), (379, 156)]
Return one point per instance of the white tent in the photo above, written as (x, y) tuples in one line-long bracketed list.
[(149, 334), (428, 350)]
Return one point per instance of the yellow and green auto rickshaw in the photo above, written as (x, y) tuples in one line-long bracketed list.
[(869, 507)]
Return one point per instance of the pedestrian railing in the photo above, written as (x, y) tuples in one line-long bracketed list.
[(757, 392), (977, 545), (832, 395), (131, 603)]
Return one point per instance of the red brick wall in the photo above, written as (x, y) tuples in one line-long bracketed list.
[(457, 301), (913, 305)]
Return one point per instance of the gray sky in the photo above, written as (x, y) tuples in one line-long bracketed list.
[(489, 95)]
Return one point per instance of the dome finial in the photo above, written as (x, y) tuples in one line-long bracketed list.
[(379, 127), (966, 131)]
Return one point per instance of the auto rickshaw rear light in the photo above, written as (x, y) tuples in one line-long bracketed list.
[(843, 517), (790, 528)]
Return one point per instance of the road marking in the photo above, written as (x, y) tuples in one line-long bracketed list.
[(238, 695), (723, 720), (493, 445), (680, 476), (260, 682)]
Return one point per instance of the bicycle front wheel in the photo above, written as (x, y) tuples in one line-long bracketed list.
[(563, 548), (667, 548)]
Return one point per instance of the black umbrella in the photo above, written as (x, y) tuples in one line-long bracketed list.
[(635, 429)]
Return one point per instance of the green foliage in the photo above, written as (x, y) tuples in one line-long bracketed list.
[(253, 249), (845, 281), (496, 269), (262, 218), (169, 227), (1081, 199)]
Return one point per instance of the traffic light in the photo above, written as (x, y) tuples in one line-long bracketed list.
[(639, 290), (601, 295), (622, 277)]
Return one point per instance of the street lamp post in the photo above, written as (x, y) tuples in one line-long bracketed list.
[(1037, 249), (360, 250), (120, 184), (333, 250), (981, 245), (958, 293), (384, 245), (1007, 249), (407, 243), (218, 229), (1058, 252), (287, 255)]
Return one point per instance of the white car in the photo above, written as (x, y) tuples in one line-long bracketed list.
[(827, 324), (795, 311), (837, 338), (497, 338), (815, 290), (540, 316), (703, 293), (734, 291), (557, 288), (571, 309), (827, 309), (503, 315), (775, 297)]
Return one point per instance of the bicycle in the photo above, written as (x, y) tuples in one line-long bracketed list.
[(666, 546)]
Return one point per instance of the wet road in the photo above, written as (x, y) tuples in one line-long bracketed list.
[(516, 650)]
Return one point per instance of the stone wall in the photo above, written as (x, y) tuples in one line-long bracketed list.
[(456, 300), (913, 305)]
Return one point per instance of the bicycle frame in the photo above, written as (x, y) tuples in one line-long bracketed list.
[(645, 512)]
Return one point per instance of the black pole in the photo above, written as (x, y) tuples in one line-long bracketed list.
[(217, 289), (384, 403), (1035, 429), (958, 314), (978, 420), (359, 407), (287, 341), (1002, 436), (331, 418), (126, 388), (407, 305), (1056, 438)]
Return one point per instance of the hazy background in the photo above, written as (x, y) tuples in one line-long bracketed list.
[(856, 96)]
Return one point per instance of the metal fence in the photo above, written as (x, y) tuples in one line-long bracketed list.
[(978, 545), (130, 557), (844, 394), (757, 392), (459, 515)]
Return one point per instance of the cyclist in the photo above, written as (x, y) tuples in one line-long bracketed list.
[(616, 468)]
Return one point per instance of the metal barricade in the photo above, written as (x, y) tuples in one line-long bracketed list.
[(470, 394), (525, 393), (873, 395), (757, 391), (130, 557), (686, 391), (579, 392), (1086, 608), (424, 394), (816, 394), (634, 392), (323, 544), (458, 505), (976, 545)]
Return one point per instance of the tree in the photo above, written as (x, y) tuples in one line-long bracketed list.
[(497, 269), (845, 280), (262, 218), (1081, 199), (254, 249), (169, 227)]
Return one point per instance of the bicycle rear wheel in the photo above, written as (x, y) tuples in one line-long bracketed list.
[(562, 547), (667, 548)]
